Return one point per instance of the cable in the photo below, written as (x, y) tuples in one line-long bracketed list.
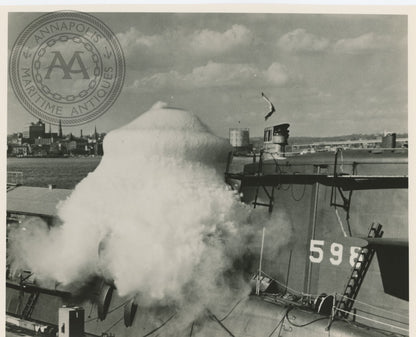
[(219, 322), (232, 309), (160, 326), (374, 307), (122, 317), (383, 331), (335, 295), (390, 319), (285, 189), (118, 307), (276, 162), (92, 307), (109, 312), (90, 320), (369, 305), (372, 320), (291, 289), (278, 324), (302, 325), (302, 195), (192, 329)]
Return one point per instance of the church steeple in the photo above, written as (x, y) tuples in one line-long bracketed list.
[(60, 129), (95, 133)]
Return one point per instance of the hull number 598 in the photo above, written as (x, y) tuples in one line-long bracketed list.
[(336, 252)]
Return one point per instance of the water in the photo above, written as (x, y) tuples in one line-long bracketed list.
[(68, 172), (62, 172)]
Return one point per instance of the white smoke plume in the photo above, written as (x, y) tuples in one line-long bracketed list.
[(155, 216), (151, 202)]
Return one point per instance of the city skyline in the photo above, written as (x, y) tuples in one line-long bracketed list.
[(326, 74), (50, 128)]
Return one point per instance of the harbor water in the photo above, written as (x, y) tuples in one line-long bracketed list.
[(61, 172), (68, 172)]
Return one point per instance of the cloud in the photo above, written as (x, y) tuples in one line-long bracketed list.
[(141, 49), (277, 74), (134, 38), (213, 42), (221, 74), (364, 43), (216, 74), (300, 40), (172, 45)]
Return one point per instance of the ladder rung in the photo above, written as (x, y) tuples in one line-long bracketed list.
[(261, 204)]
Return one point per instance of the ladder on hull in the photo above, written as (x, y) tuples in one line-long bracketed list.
[(30, 305), (358, 273), (270, 195)]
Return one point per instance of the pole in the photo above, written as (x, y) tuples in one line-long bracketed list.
[(260, 263), (314, 218)]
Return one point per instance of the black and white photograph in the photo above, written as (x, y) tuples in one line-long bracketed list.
[(203, 171)]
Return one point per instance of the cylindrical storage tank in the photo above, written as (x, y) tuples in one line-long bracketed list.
[(239, 137), (388, 141)]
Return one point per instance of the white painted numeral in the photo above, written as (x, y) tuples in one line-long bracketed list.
[(336, 251), (354, 255), (316, 249)]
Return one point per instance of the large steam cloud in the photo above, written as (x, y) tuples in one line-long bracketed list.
[(151, 206), (155, 216)]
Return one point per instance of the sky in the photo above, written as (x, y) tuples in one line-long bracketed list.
[(326, 74)]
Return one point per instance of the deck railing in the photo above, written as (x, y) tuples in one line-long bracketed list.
[(14, 178)]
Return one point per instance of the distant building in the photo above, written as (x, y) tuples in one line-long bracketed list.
[(388, 141), (98, 149), (36, 142), (60, 129), (20, 150), (78, 146), (16, 138), (40, 150), (57, 148), (240, 139), (44, 141), (37, 130)]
